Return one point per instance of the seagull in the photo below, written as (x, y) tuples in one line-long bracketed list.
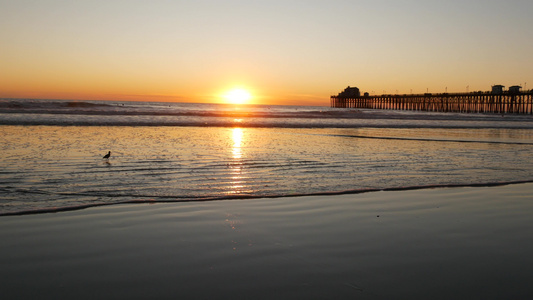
[(107, 155)]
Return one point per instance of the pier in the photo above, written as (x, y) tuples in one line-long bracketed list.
[(477, 102)]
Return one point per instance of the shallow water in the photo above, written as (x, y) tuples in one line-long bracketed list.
[(48, 167)]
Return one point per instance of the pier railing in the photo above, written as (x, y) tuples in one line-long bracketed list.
[(516, 103)]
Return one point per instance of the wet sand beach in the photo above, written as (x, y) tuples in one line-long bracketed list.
[(444, 243)]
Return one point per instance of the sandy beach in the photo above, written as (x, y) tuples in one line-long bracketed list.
[(445, 243)]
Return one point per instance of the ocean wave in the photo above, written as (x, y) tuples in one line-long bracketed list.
[(102, 113), (78, 107), (218, 120), (30, 104)]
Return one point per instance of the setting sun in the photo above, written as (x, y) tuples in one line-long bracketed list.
[(237, 96)]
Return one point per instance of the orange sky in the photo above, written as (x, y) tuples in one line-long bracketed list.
[(283, 52)]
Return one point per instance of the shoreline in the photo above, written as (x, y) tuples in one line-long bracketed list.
[(252, 197), (460, 243)]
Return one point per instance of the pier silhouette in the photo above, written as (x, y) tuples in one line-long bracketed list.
[(500, 102)]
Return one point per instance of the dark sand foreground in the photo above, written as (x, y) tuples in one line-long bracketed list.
[(447, 243)]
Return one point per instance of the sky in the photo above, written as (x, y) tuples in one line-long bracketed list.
[(291, 52)]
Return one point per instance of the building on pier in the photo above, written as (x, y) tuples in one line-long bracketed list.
[(497, 89), (515, 89), (350, 92)]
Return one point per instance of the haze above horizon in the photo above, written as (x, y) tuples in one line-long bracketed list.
[(280, 52)]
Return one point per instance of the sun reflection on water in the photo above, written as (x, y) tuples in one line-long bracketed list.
[(237, 143), (237, 179)]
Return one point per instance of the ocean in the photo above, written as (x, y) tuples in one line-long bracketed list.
[(51, 152)]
